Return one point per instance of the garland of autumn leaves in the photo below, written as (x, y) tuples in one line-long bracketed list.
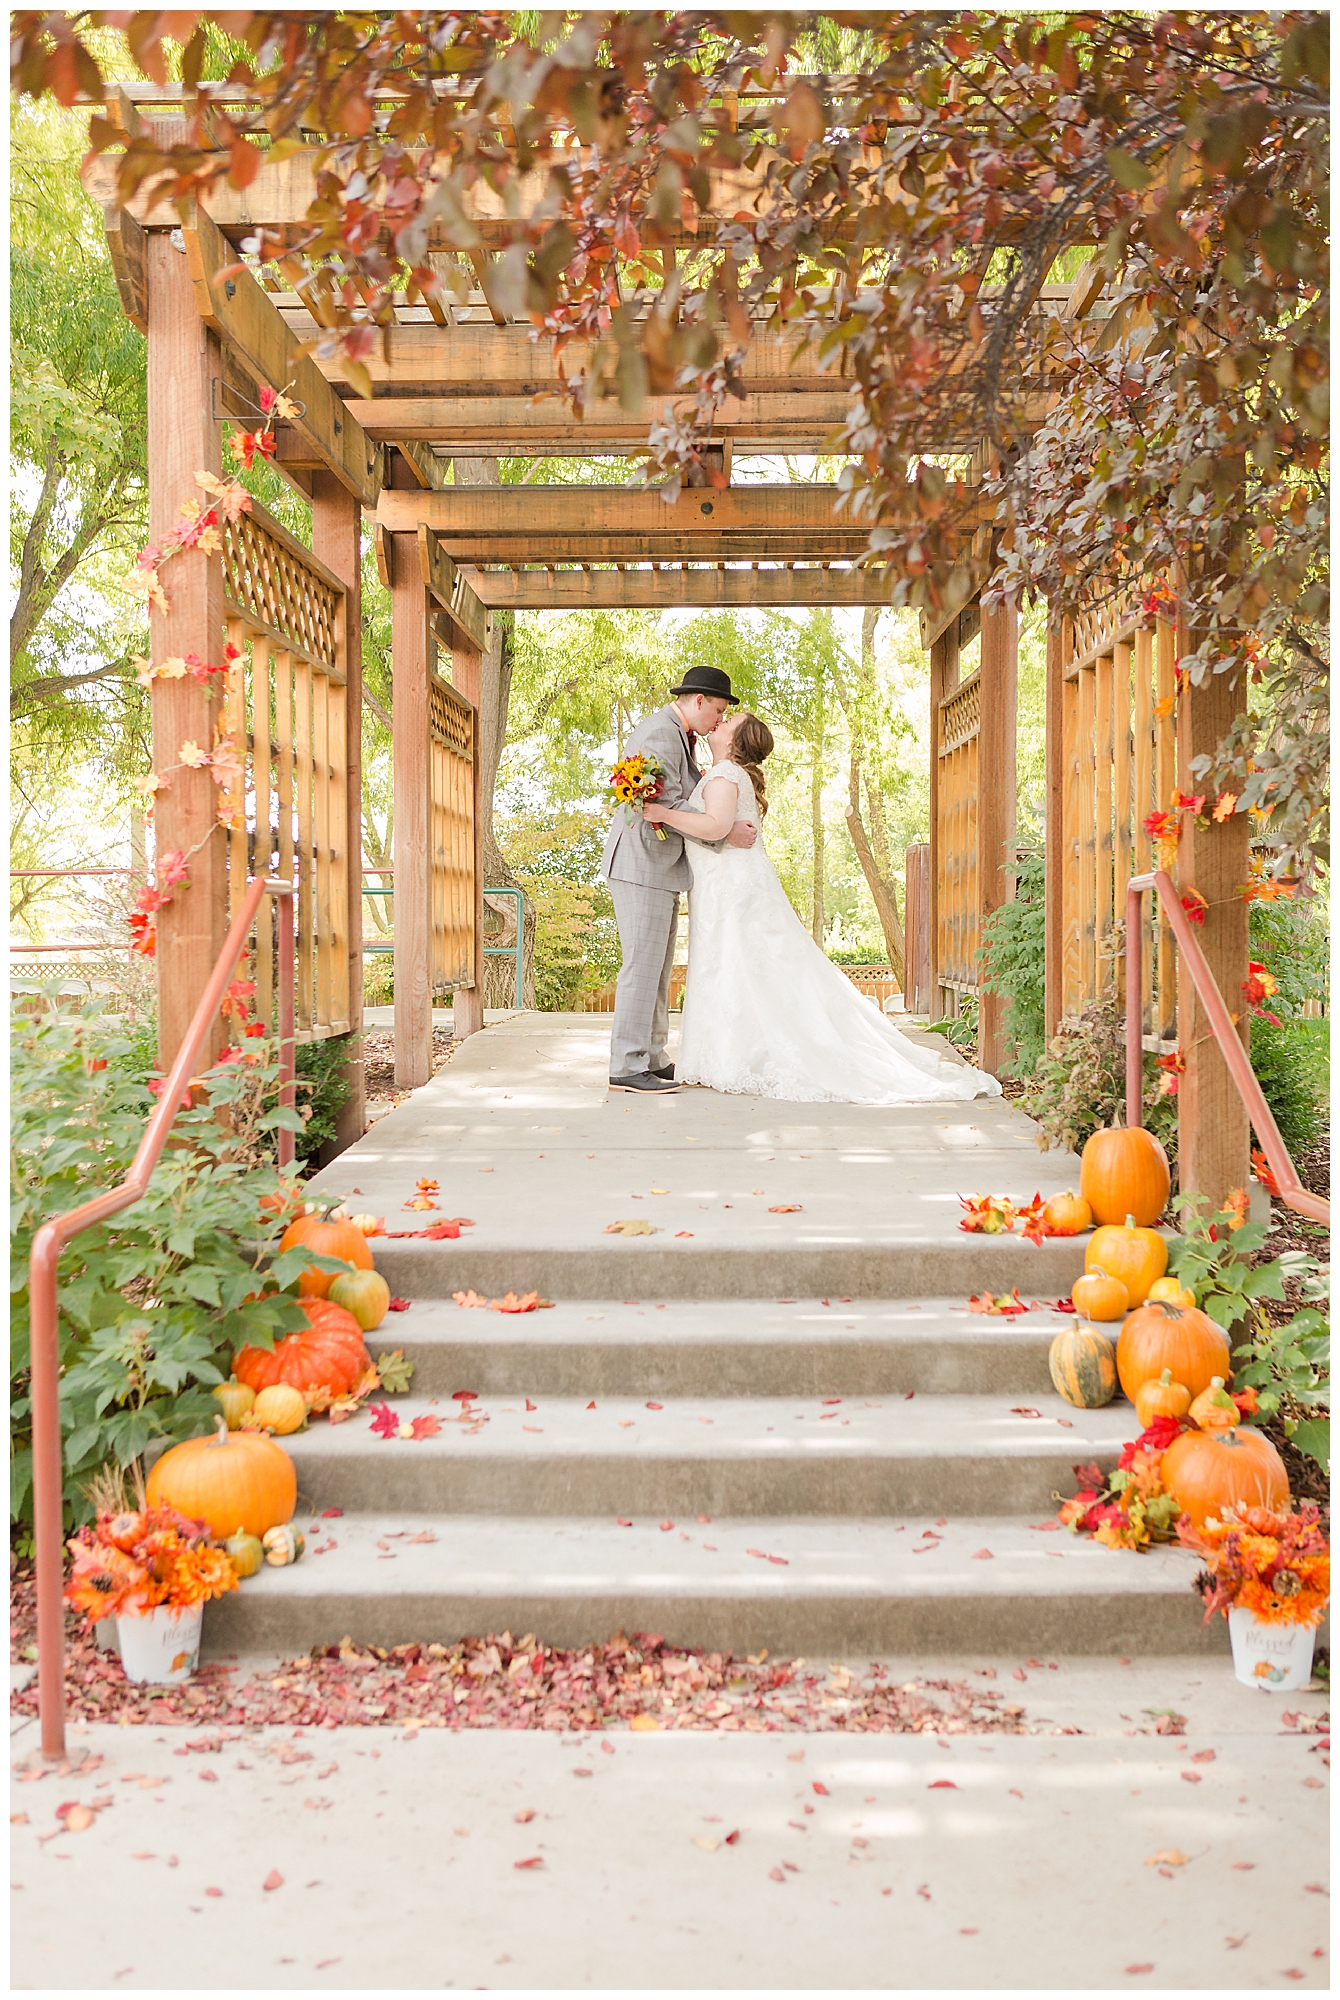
[(200, 528)]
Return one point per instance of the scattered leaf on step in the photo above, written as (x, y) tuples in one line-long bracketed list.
[(1172, 1857), (77, 1818), (424, 1427), (621, 1521), (666, 1526), (636, 1227), (468, 1299), (531, 1861), (786, 1208), (703, 1840), (731, 1838), (1006, 1303), (942, 1785), (523, 1302), (820, 1788), (1190, 1777), (683, 1232), (655, 1406), (644, 1721), (1023, 1410), (1136, 1969), (982, 1555), (1202, 1756), (660, 1190), (525, 1816), (531, 1406), (18, 1819), (331, 1513), (591, 1405), (274, 1880), (394, 1372), (776, 1875), (398, 1305)]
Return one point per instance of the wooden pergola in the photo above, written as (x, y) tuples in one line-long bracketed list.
[(459, 380)]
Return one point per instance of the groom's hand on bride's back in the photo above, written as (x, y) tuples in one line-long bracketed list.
[(742, 834)]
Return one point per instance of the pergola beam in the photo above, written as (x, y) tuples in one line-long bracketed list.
[(792, 513), (498, 426), (450, 590), (661, 589)]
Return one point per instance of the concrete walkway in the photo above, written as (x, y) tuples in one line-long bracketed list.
[(888, 1862)]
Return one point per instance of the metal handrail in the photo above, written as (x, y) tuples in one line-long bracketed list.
[(515, 950), (51, 1239), (1287, 1184)]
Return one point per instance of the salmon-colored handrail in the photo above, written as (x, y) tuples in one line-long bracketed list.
[(51, 1239), (1285, 1175)]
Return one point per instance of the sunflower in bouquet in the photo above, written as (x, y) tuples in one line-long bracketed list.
[(633, 781)]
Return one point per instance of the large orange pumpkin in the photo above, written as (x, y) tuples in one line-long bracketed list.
[(1206, 1471), (1124, 1172), (1181, 1339), (327, 1353), (1136, 1256), (330, 1239), (236, 1480)]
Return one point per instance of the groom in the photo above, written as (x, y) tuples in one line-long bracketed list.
[(645, 877)]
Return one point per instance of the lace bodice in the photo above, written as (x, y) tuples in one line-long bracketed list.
[(747, 803)]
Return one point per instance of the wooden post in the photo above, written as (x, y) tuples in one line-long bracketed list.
[(337, 525), (1213, 1132), (944, 678), (467, 1003), (410, 653), (999, 671), (1054, 784), (183, 439)]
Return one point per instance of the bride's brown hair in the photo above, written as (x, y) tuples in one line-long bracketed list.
[(751, 742)]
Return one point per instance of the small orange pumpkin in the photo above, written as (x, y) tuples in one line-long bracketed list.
[(329, 1239), (1214, 1409), (1181, 1339), (235, 1482), (1207, 1471), (1164, 1398), (1136, 1256), (1067, 1215), (1098, 1295), (1124, 1172)]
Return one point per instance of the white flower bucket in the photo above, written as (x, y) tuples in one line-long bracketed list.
[(1277, 1658), (161, 1646)]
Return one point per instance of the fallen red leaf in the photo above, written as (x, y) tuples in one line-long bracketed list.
[(531, 1406), (1190, 1777), (820, 1788), (274, 1880), (1023, 1410), (1202, 1756), (656, 1406), (467, 1396), (591, 1405), (786, 1208), (1134, 1969), (683, 1232), (512, 1302), (531, 1861), (942, 1785), (731, 1838), (525, 1816), (666, 1526), (425, 1427), (776, 1875), (982, 1555), (620, 1522), (398, 1306), (331, 1513)]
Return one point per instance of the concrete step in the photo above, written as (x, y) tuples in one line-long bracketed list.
[(735, 1347), (784, 1262), (858, 1587), (752, 1456)]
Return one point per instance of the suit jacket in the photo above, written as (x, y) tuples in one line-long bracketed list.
[(633, 853)]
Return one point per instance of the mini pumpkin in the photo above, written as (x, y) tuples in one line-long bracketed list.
[(245, 1552), (280, 1408), (234, 1398), (283, 1546), (330, 1239), (1067, 1215), (1161, 1398), (1173, 1290), (1135, 1255), (1083, 1366), (1214, 1409), (1209, 1471), (1181, 1339), (232, 1477), (1098, 1295), (365, 1294), (1124, 1172)]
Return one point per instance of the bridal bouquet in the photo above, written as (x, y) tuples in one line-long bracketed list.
[(634, 781)]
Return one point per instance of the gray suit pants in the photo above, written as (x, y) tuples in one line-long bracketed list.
[(648, 920)]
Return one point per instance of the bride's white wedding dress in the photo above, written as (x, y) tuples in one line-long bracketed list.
[(767, 1015)]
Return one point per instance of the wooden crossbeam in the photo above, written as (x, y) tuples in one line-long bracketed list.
[(444, 582), (249, 326), (659, 589), (489, 427), (542, 512)]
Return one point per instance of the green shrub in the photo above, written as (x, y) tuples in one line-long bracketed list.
[(152, 1302), (1012, 955), (1292, 941), (1079, 1084), (322, 1092), (1292, 1064)]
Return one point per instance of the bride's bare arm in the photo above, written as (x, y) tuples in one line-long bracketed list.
[(714, 822)]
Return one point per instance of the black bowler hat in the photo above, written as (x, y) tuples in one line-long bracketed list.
[(709, 681)]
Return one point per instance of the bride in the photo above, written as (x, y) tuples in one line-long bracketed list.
[(766, 1014)]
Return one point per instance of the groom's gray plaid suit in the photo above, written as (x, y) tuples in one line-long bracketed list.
[(645, 877)]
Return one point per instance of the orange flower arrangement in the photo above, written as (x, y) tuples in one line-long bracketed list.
[(1276, 1565), (128, 1564)]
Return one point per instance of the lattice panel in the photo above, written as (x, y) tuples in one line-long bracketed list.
[(450, 718), (960, 716), (269, 585)]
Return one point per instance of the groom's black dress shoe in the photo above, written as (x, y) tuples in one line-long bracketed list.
[(644, 1081), (667, 1075)]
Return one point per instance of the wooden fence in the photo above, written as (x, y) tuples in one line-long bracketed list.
[(451, 783), (284, 713), (1119, 765)]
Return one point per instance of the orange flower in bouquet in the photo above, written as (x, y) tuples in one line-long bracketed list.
[(1276, 1565), (127, 1564), (634, 780)]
